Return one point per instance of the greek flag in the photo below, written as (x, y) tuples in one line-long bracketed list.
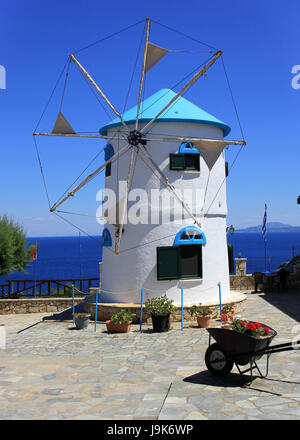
[(264, 225)]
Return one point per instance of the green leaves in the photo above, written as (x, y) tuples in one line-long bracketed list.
[(159, 305), (13, 252), (122, 317), (200, 310)]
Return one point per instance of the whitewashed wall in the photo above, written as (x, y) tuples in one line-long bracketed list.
[(135, 267)]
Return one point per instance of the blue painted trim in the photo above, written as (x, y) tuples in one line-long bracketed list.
[(188, 148), (73, 303), (106, 238), (179, 241), (141, 314), (109, 151), (225, 128)]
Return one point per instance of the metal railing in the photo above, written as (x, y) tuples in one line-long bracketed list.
[(43, 288)]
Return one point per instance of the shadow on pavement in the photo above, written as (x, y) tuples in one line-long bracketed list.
[(65, 315), (288, 303), (232, 380)]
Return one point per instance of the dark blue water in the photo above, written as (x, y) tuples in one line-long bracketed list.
[(279, 248), (78, 257), (62, 258)]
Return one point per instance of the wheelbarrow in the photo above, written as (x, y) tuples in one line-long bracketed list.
[(239, 349)]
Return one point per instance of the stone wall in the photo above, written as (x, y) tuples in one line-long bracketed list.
[(242, 282), (36, 305), (106, 310)]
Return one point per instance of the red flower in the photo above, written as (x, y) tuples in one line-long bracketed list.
[(258, 325), (224, 317), (242, 323), (251, 326), (266, 329)]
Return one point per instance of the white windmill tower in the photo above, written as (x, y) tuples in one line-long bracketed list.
[(182, 155)]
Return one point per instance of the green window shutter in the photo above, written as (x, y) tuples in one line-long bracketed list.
[(177, 161), (226, 169), (168, 263), (230, 258)]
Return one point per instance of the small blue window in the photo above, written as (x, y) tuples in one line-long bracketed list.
[(106, 238), (109, 152), (190, 235), (188, 148)]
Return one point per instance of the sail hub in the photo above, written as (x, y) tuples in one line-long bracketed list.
[(135, 138)]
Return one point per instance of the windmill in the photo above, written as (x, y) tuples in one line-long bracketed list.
[(137, 135)]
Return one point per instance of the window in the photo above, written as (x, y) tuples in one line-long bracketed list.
[(109, 152), (181, 261), (190, 235), (106, 238), (188, 158), (226, 169)]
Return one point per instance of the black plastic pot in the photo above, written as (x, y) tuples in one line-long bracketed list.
[(161, 323)]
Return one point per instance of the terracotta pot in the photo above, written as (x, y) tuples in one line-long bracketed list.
[(203, 320), (118, 328)]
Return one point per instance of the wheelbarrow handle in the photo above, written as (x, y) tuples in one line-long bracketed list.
[(285, 344)]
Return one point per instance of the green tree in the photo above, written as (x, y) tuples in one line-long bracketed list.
[(14, 255)]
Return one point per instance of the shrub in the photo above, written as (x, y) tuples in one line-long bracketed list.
[(200, 310), (13, 252), (122, 317), (160, 305)]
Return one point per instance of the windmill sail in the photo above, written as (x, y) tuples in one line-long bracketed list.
[(209, 152), (154, 54), (62, 125)]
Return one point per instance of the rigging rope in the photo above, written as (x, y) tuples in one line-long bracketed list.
[(42, 172), (181, 33), (89, 164), (109, 36), (65, 84), (51, 95)]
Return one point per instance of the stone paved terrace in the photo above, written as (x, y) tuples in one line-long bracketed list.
[(51, 371)]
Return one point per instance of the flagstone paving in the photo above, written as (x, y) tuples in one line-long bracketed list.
[(49, 370)]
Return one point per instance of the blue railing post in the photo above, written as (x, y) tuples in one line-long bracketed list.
[(220, 298), (73, 303), (141, 313), (181, 308), (96, 309)]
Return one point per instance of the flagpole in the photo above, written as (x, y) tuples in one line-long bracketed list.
[(264, 232)]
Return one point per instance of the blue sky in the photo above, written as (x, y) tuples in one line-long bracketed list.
[(260, 41)]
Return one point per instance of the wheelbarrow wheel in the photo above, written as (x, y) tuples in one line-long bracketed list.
[(217, 362)]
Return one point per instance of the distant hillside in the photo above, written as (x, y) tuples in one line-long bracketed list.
[(272, 227)]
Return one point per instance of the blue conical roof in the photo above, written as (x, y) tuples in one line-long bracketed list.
[(182, 111)]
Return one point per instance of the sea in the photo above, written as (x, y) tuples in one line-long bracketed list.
[(79, 256)]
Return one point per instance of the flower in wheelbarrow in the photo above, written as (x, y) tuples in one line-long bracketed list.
[(266, 330), (251, 326), (258, 325)]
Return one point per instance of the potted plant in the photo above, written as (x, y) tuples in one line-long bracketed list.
[(82, 320), (160, 309), (227, 313), (203, 315), (120, 322)]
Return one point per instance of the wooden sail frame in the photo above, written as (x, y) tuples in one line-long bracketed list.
[(143, 131)]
